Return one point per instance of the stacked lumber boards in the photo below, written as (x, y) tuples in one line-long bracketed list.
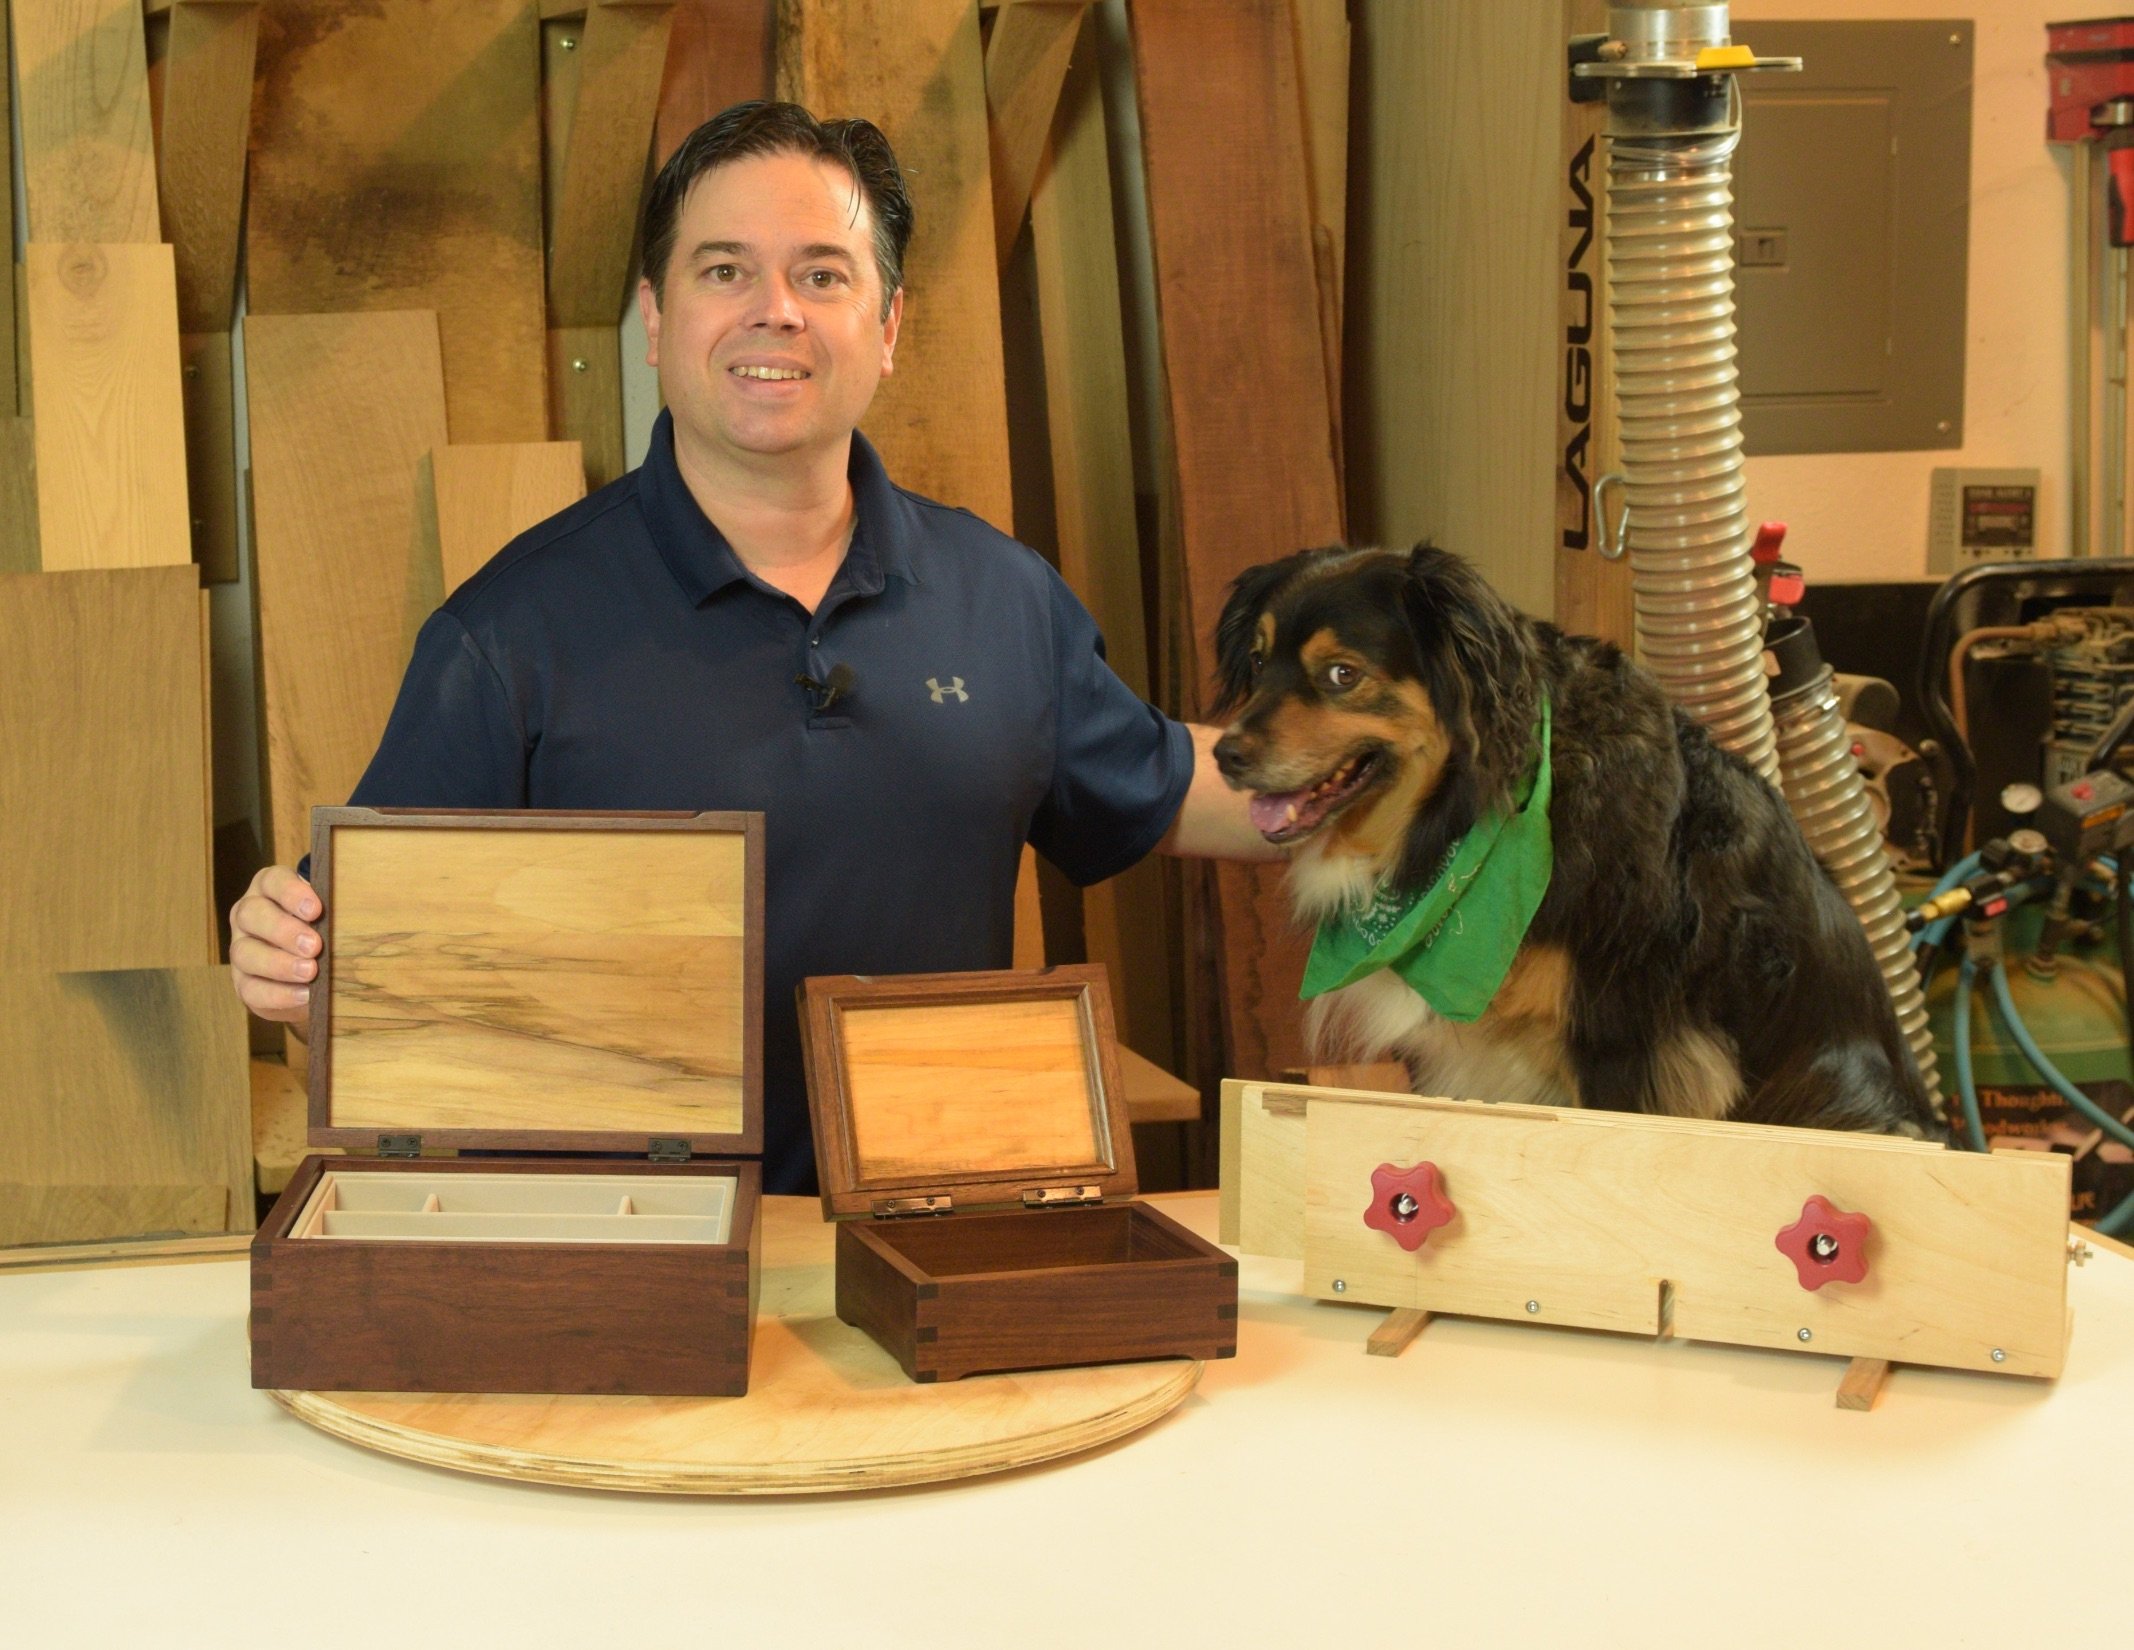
[(1004, 105), (441, 217), (1250, 396), (430, 208), (122, 1051)]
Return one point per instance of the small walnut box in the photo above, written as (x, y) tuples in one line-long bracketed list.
[(973, 1146), (516, 983)]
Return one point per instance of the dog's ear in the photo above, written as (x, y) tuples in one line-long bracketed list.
[(1234, 631), (1474, 647)]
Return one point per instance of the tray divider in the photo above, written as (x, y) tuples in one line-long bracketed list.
[(462, 1226), (326, 1200)]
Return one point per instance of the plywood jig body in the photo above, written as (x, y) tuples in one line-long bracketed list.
[(1656, 1226)]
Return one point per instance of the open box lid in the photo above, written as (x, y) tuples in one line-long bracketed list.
[(538, 981), (932, 1093)]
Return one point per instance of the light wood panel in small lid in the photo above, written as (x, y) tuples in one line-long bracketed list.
[(539, 981), (977, 1087)]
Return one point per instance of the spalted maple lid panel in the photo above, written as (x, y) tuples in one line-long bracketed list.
[(958, 1089), (983, 1087), (539, 981)]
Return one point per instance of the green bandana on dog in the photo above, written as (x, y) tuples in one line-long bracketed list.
[(1454, 940)]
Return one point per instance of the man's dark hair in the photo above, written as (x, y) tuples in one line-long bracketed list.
[(764, 128)]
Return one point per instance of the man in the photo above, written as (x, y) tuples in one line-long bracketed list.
[(759, 619)]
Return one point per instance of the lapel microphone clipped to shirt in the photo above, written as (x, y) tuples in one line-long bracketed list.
[(842, 682)]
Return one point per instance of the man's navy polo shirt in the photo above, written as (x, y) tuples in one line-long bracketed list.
[(620, 656)]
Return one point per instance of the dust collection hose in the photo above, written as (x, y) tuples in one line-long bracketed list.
[(1828, 797), (1670, 247), (1674, 120)]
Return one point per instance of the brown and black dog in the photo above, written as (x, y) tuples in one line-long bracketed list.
[(1690, 956)]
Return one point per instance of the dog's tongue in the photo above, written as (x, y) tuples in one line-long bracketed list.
[(1272, 811)]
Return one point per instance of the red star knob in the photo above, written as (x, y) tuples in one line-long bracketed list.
[(1826, 1245), (1407, 1204)]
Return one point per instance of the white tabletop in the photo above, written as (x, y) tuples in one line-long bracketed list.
[(1499, 1484)]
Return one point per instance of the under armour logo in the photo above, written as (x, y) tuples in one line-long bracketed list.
[(940, 693)]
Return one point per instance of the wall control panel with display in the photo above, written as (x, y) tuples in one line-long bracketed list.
[(1980, 516)]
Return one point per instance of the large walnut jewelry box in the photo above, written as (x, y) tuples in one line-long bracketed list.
[(583, 986), (974, 1149)]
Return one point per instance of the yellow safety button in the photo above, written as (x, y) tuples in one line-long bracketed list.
[(1726, 57)]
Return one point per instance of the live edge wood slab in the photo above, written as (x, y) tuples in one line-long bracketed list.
[(973, 1143), (528, 982)]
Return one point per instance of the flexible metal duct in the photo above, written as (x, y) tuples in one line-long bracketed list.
[(1670, 248), (1828, 796), (1674, 119)]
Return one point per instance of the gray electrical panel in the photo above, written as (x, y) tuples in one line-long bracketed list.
[(1852, 210)]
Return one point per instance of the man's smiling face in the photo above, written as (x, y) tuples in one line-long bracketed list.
[(770, 335)]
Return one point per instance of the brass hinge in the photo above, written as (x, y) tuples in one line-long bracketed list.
[(667, 1149), (892, 1207), (400, 1145), (1062, 1197)]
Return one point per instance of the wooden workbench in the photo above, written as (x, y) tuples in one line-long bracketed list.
[(1497, 1484)]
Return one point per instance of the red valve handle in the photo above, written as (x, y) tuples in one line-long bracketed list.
[(1827, 1244), (1408, 1204)]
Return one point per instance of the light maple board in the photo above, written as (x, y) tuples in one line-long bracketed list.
[(344, 408), (914, 68), (487, 495), (88, 152), (110, 416), (141, 1251), (126, 1105), (827, 1409), (104, 851), (1658, 1225), (1454, 331), (396, 165)]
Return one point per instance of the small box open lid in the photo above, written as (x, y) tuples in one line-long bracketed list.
[(986, 1089), (539, 981)]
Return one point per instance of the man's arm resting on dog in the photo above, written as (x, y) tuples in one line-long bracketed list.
[(1212, 822)]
